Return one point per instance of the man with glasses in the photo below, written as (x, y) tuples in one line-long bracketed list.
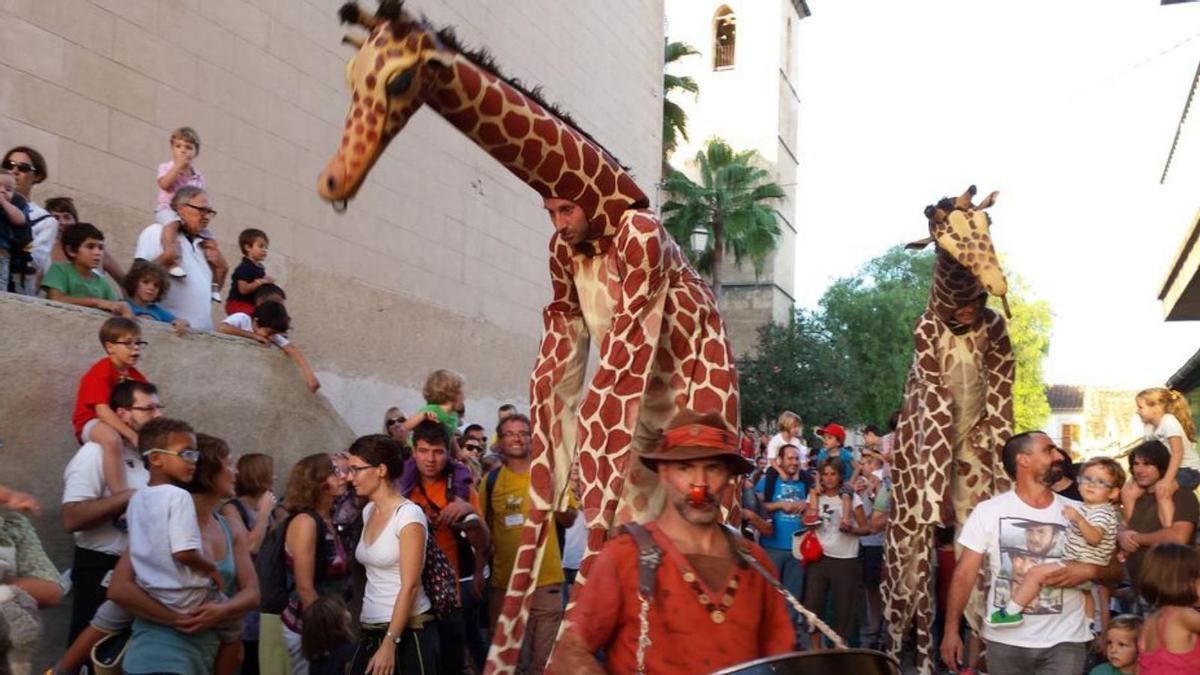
[(505, 498), (189, 297), (95, 516)]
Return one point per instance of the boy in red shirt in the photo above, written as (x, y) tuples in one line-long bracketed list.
[(94, 419)]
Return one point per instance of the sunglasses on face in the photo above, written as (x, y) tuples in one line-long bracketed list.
[(398, 420), (202, 210), (23, 167)]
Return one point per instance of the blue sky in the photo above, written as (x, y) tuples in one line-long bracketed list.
[(1066, 107)]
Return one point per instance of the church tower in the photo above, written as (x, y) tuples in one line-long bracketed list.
[(746, 72)]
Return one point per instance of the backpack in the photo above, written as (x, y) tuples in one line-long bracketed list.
[(438, 578), (271, 564), (20, 239)]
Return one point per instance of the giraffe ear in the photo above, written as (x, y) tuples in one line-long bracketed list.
[(988, 201), (919, 244)]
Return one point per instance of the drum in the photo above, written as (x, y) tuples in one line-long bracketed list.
[(856, 661)]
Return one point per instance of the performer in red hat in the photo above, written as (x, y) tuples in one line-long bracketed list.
[(682, 593)]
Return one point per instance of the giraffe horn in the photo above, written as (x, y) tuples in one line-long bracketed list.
[(355, 42), (351, 13)]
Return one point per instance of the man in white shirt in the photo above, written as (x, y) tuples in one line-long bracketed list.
[(92, 514), (190, 297), (1009, 530)]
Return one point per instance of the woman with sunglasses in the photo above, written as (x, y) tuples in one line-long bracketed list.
[(316, 560), (28, 167), (394, 425), (206, 638)]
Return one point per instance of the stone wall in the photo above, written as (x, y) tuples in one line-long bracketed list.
[(440, 262)]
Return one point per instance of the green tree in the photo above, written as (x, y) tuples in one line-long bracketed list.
[(798, 368), (674, 118), (733, 200), (1029, 331), (871, 316)]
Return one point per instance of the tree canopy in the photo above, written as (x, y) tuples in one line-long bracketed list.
[(848, 360)]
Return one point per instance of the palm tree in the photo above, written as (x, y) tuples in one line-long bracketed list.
[(674, 118), (733, 201)]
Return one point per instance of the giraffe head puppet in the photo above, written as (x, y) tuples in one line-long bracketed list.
[(396, 65), (961, 231), (404, 64)]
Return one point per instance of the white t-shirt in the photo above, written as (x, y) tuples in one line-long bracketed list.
[(1168, 427), (83, 480), (243, 321), (574, 544), (834, 542), (382, 562), (778, 442), (1015, 536), (45, 233), (162, 522), (189, 298)]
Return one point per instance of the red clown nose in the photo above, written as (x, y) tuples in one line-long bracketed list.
[(699, 495)]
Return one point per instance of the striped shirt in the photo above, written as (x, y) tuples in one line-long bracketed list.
[(1105, 518)]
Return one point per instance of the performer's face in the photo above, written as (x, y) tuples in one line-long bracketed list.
[(568, 219), (680, 477)]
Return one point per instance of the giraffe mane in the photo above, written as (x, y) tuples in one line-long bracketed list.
[(483, 58)]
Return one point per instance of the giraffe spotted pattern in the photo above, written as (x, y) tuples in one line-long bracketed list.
[(956, 415), (661, 341)]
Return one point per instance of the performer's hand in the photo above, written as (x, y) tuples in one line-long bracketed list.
[(952, 650)]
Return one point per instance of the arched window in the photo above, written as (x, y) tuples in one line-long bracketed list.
[(724, 38)]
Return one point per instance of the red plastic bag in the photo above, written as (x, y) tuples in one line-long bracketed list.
[(810, 550)]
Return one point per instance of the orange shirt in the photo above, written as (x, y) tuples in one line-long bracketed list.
[(684, 637), (444, 536)]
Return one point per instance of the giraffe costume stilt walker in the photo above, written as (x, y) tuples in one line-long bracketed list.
[(627, 286), (957, 413)]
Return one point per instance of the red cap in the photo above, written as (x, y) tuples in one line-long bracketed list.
[(833, 430)]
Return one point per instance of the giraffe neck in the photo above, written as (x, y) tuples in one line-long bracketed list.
[(953, 286), (538, 147)]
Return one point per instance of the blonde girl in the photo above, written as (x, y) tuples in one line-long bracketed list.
[(791, 428), (1168, 419), (1119, 644)]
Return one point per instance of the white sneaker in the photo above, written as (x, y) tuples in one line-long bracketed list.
[(177, 272), (216, 297)]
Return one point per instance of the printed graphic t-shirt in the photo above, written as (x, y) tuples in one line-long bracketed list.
[(785, 524), (1015, 537)]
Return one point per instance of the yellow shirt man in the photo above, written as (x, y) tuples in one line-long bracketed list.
[(509, 507)]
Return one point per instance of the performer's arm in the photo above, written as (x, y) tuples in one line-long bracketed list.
[(1001, 366), (557, 380), (966, 571), (627, 351)]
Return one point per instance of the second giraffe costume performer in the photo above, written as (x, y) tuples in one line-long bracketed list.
[(626, 286), (957, 413)]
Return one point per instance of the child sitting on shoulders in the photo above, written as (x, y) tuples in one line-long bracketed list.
[(269, 324), (146, 284), (1119, 642), (94, 419), (77, 282), (1170, 581), (249, 276), (444, 398), (1168, 419), (1091, 538), (172, 175)]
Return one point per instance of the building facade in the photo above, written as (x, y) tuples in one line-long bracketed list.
[(439, 263), (746, 72), (1092, 421)]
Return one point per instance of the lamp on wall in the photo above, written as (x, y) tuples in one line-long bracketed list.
[(699, 239)]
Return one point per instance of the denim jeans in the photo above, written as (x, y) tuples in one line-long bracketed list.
[(1064, 658), (791, 575)]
